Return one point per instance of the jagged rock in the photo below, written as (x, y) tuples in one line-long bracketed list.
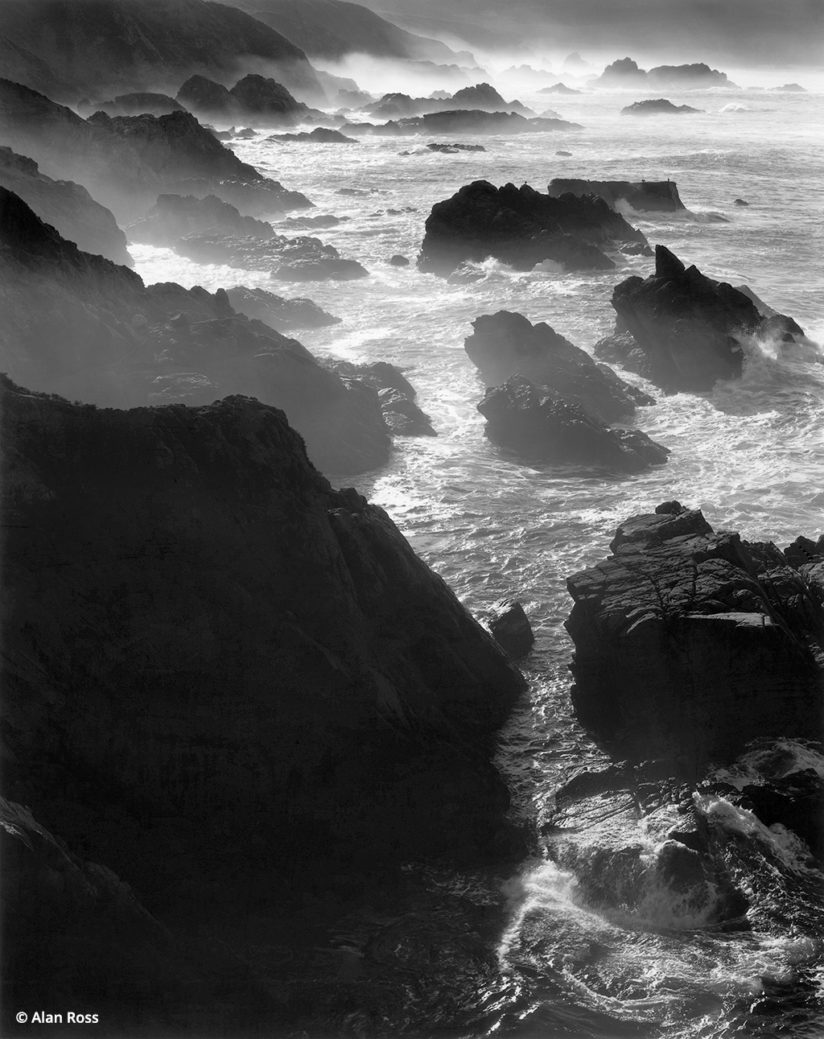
[(690, 643), (453, 122), (174, 216), (93, 45), (308, 222), (127, 161), (139, 104), (281, 314), (535, 423), (511, 629), (398, 261), (688, 327), (521, 227), (506, 344), (655, 196), (659, 106), (66, 206), (625, 72), (482, 97), (395, 393), (82, 326), (320, 135), (206, 98)]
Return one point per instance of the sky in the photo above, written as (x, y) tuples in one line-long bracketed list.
[(740, 32)]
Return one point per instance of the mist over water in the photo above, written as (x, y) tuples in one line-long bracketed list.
[(748, 454)]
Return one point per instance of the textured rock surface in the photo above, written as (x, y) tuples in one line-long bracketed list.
[(687, 330), (506, 344), (149, 44), (690, 643), (625, 72), (126, 161), (281, 314), (82, 326), (656, 196), (395, 393), (538, 424), (511, 629), (66, 206), (522, 227), (141, 103), (254, 98)]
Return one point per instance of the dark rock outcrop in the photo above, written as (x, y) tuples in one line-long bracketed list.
[(243, 690), (481, 97), (690, 643), (506, 344), (320, 135), (537, 424), (125, 162), (454, 148), (658, 106), (93, 45), (144, 103), (395, 393), (452, 122), (66, 206), (80, 325), (174, 216), (626, 73), (655, 196), (511, 629), (686, 330), (522, 227), (284, 315)]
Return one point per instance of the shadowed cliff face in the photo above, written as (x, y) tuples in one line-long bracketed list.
[(239, 646)]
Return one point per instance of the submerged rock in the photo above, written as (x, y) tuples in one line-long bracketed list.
[(82, 326), (538, 424), (686, 330), (655, 196), (690, 643), (659, 106), (244, 690), (66, 206), (506, 344), (522, 227)]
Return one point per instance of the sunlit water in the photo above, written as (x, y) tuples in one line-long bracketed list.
[(749, 454)]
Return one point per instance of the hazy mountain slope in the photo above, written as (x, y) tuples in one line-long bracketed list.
[(93, 45)]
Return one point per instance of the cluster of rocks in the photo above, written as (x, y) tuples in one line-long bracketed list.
[(550, 401), (626, 73), (481, 97), (395, 393), (523, 227), (471, 121), (253, 98), (210, 230)]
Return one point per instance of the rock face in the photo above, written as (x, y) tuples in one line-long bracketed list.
[(127, 161), (690, 643), (537, 424), (395, 393), (66, 206), (511, 629), (506, 344), (481, 97), (209, 230), (658, 106), (256, 691), (80, 325), (522, 227), (149, 44), (686, 330), (284, 315), (654, 196)]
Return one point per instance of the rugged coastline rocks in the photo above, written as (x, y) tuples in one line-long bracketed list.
[(689, 642), (126, 161), (395, 393), (139, 103), (481, 97), (538, 424), (522, 227), (685, 331), (253, 98), (626, 73), (320, 135), (506, 344), (256, 692), (654, 196), (66, 206), (80, 325), (460, 121), (658, 106), (283, 315)]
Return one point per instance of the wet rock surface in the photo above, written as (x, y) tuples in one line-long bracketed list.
[(522, 227), (395, 393), (689, 642), (655, 196)]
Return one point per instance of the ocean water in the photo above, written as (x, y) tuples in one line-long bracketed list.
[(749, 454)]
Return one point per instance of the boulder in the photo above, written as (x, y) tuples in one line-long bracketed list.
[(626, 73), (522, 227), (246, 698), (506, 344), (658, 106), (510, 628), (284, 315), (536, 424), (690, 643), (80, 325), (66, 206), (653, 196), (395, 393), (689, 328)]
